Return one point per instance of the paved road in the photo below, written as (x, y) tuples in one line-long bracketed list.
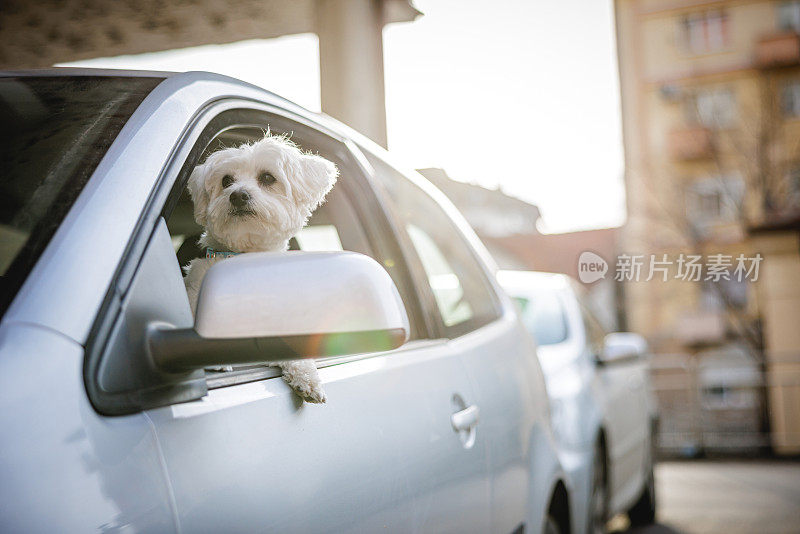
[(725, 497)]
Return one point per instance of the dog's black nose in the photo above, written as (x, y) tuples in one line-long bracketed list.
[(240, 198)]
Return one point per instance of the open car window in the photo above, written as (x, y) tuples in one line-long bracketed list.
[(349, 219), (333, 226)]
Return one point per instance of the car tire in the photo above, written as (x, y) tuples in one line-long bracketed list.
[(598, 496), (644, 511)]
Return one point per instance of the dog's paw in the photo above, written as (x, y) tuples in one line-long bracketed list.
[(311, 392), (220, 369), (303, 378)]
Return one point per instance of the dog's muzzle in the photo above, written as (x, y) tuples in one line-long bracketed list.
[(240, 203), (240, 199)]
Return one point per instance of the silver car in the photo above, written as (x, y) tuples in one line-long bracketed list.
[(112, 416), (602, 406)]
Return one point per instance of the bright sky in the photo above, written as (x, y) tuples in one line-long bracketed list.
[(518, 94)]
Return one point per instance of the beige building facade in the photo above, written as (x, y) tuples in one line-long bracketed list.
[(711, 126)]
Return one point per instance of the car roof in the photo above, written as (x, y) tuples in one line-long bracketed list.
[(83, 71), (184, 77), (174, 81)]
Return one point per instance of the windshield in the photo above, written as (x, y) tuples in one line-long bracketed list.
[(55, 132), (543, 316)]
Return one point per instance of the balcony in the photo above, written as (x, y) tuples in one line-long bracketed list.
[(690, 143), (779, 50)]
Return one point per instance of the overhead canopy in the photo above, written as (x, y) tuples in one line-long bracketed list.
[(42, 33)]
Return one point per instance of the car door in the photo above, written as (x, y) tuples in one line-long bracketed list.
[(249, 455), (497, 354), (621, 384)]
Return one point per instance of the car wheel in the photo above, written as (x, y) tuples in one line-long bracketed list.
[(551, 525), (644, 511), (598, 498)]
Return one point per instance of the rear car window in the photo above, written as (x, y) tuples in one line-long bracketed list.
[(464, 299), (56, 131)]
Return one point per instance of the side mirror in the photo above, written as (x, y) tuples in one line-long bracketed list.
[(270, 307), (622, 346)]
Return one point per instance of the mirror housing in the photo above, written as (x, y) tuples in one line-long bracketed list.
[(622, 346), (270, 307)]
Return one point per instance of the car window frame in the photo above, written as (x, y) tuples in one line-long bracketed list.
[(195, 138)]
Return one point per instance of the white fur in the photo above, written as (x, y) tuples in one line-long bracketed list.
[(279, 211)]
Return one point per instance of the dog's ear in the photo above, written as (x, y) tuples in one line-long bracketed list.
[(197, 190), (316, 177)]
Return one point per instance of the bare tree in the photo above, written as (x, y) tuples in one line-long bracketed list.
[(754, 147)]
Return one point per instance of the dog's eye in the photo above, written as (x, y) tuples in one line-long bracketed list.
[(266, 178), (227, 180)]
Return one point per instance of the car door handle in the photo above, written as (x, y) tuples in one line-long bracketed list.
[(465, 419)]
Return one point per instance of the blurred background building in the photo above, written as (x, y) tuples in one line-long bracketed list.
[(711, 121), (43, 33)]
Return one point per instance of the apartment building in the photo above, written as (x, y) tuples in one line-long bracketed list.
[(711, 127)]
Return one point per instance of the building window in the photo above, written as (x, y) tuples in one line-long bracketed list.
[(790, 99), (704, 32), (715, 200), (789, 16), (712, 108)]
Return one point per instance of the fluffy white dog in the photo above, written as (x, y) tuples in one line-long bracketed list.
[(254, 198)]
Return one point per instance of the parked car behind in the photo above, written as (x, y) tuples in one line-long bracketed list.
[(602, 408), (436, 417)]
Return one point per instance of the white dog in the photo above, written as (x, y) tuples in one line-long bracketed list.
[(254, 198)]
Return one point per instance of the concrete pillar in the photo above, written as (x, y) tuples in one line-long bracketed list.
[(351, 64), (779, 298)]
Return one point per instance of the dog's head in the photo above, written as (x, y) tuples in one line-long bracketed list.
[(257, 196)]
